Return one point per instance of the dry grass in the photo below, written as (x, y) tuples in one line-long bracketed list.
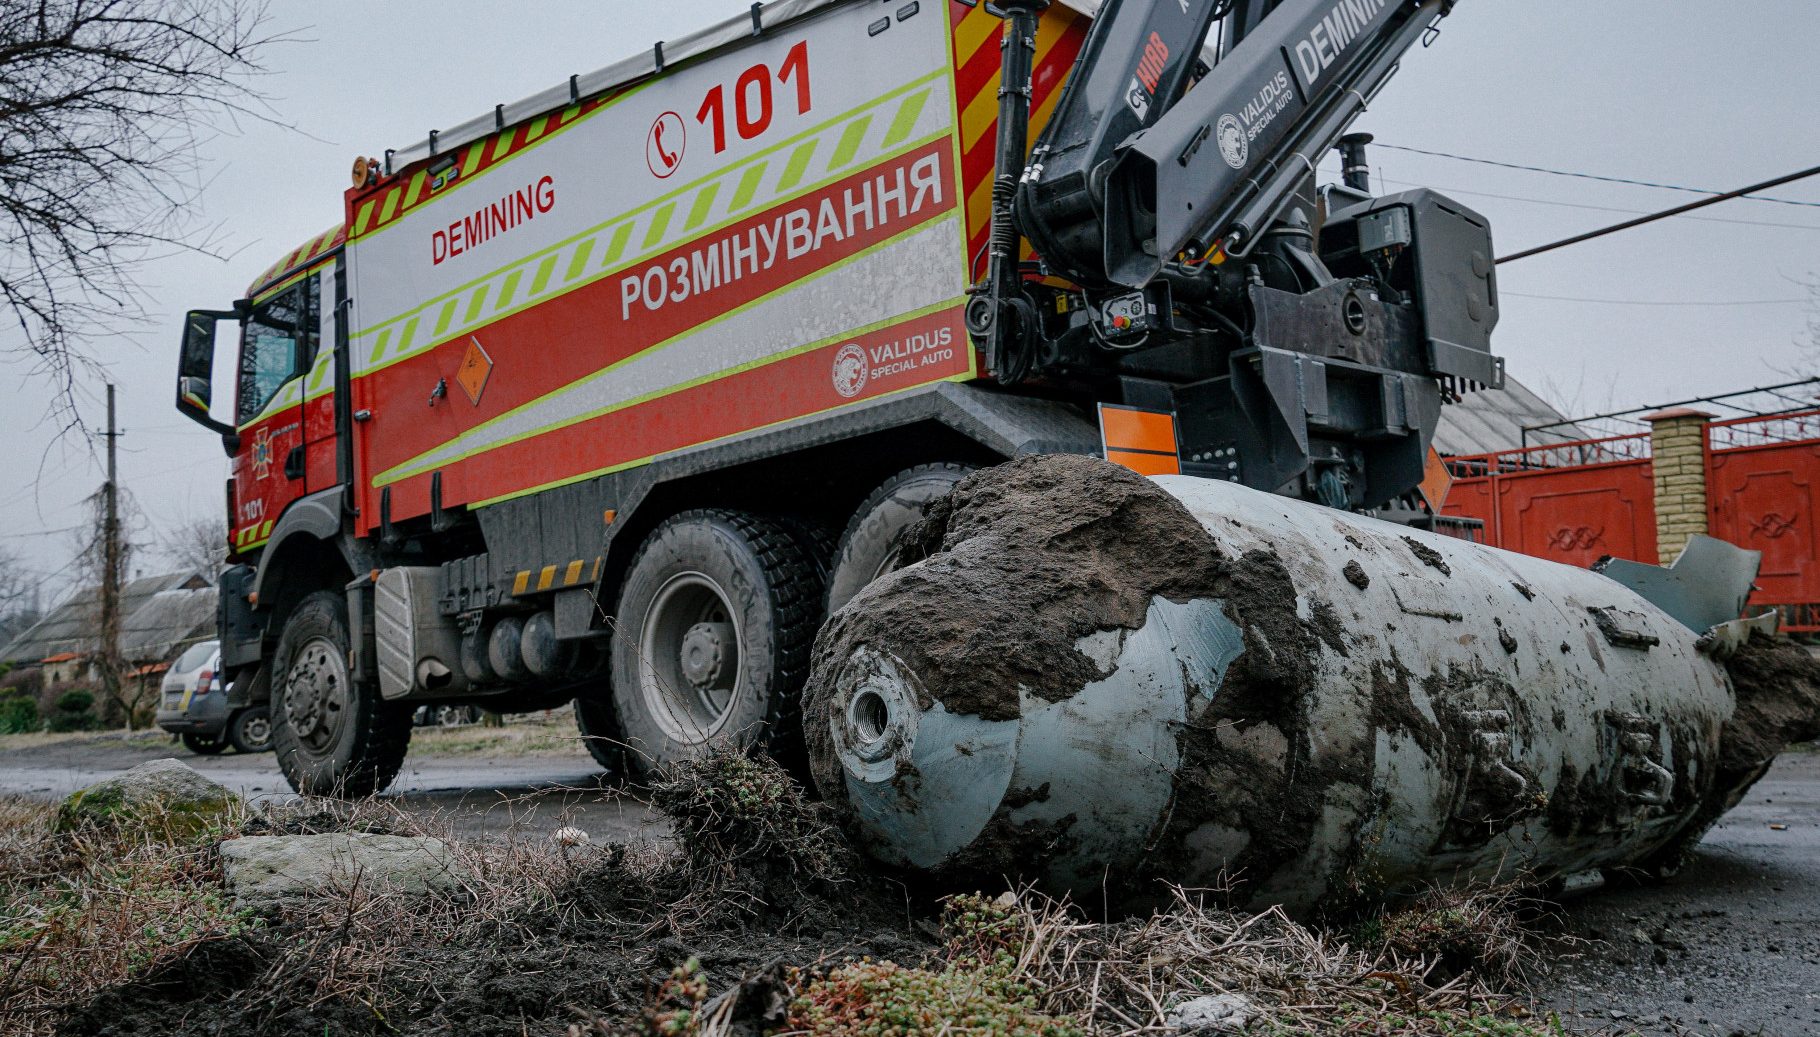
[(527, 735), (1124, 978), (85, 910), (1476, 928), (85, 917), (145, 737)]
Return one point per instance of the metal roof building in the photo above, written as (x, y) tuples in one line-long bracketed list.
[(1494, 419), (160, 615)]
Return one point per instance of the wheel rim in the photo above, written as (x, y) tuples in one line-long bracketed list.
[(317, 695), (688, 658), (257, 730)]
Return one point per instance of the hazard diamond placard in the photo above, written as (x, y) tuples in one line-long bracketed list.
[(476, 365)]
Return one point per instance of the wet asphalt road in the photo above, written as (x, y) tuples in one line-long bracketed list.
[(472, 793), (1729, 947)]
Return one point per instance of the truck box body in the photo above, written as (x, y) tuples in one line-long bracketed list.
[(776, 229)]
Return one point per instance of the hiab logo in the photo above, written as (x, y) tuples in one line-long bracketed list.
[(1149, 76)]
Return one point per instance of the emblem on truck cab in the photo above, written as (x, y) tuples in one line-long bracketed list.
[(262, 453)]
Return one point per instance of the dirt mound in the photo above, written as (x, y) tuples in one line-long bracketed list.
[(1039, 551), (209, 971), (1778, 687)]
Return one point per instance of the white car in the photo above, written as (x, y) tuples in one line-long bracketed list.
[(193, 704)]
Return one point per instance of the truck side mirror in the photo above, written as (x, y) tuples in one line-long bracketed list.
[(196, 365)]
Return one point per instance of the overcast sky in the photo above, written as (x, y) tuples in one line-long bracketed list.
[(1703, 95)]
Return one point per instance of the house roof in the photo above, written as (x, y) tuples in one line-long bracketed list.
[(60, 657), (158, 616), (1493, 419)]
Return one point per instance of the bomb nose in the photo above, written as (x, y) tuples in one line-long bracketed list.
[(874, 719)]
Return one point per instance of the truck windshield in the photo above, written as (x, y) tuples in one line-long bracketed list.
[(278, 344)]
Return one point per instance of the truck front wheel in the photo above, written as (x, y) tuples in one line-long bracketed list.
[(333, 735), (716, 616)]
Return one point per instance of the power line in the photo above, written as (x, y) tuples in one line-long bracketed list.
[(42, 532), (1657, 302), (1664, 214), (1599, 208), (1475, 193), (1595, 176)]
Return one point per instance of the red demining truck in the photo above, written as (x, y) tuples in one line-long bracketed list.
[(612, 394)]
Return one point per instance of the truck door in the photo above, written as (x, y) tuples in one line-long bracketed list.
[(319, 383), (278, 345)]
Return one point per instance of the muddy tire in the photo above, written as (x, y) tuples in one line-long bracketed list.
[(715, 619), (600, 733), (334, 736), (869, 548), (203, 745), (250, 731)]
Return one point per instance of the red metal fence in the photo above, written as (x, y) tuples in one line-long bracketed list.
[(1763, 493), (1579, 501), (1571, 502)]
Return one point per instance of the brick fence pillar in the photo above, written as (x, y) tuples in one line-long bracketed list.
[(1677, 440)]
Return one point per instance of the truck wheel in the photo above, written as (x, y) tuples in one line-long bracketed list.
[(203, 745), (869, 547), (333, 735), (251, 730), (716, 616), (600, 733)]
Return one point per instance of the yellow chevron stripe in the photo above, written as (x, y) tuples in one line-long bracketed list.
[(573, 573), (546, 577)]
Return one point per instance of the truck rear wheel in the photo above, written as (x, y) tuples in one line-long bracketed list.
[(869, 547), (716, 616), (333, 735)]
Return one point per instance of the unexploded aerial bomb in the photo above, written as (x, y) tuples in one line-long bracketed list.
[(1096, 680)]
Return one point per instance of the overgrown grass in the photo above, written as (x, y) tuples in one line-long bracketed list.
[(84, 910), (90, 922)]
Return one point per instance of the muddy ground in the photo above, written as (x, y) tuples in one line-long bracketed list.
[(1731, 946)]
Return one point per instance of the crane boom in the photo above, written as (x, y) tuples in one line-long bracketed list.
[(1305, 338)]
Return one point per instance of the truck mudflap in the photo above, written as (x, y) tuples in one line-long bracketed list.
[(1095, 679)]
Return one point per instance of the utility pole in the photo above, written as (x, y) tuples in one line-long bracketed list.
[(110, 573)]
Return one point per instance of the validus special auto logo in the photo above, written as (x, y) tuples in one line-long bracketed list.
[(851, 369)]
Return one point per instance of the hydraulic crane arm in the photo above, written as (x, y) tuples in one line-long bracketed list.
[(1132, 171), (1303, 339)]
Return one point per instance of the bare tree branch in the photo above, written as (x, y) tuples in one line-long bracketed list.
[(199, 545), (104, 105), (17, 609)]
